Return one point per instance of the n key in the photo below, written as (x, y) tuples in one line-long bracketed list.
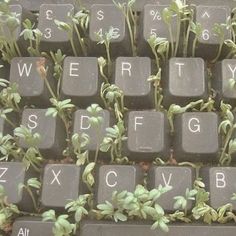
[(31, 85), (208, 17), (104, 17), (196, 136), (50, 129), (61, 184)]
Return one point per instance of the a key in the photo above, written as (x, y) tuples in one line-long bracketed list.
[(184, 81), (196, 136), (153, 24), (31, 84), (131, 76), (61, 184), (179, 178), (224, 75), (116, 178), (12, 174), (208, 17), (147, 135), (32, 226), (219, 182), (54, 38), (91, 228), (82, 125), (81, 81), (103, 18), (51, 131)]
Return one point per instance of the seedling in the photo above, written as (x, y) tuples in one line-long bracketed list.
[(32, 183), (130, 17), (3, 115), (196, 28), (113, 141), (232, 48), (62, 227), (87, 176), (158, 97), (34, 36), (102, 63)]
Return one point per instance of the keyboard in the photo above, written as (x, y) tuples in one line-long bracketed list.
[(117, 117)]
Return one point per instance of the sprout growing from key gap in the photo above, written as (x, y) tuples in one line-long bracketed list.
[(140, 204), (34, 36), (87, 176), (79, 143), (131, 21), (58, 59), (68, 28), (96, 121), (8, 212), (3, 115), (176, 109), (115, 136), (232, 48), (196, 28), (102, 63), (32, 183), (81, 20), (8, 22), (227, 128), (62, 226), (106, 39), (160, 49), (158, 97), (233, 25), (219, 31)]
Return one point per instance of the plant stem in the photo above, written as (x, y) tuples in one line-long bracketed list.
[(80, 40), (98, 144), (73, 47), (218, 53), (109, 69), (186, 41), (178, 34), (32, 197), (194, 46), (171, 39)]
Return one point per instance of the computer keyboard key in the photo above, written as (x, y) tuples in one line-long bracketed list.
[(208, 17), (61, 184), (51, 131), (147, 135), (153, 24), (179, 178), (196, 136), (220, 183), (54, 38), (32, 226), (131, 76), (184, 81), (82, 125), (13, 174), (31, 85), (91, 228), (80, 81), (224, 74), (118, 178), (104, 17)]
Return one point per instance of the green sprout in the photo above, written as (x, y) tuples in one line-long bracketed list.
[(197, 30), (232, 48), (158, 97), (62, 227), (32, 183), (227, 127), (130, 17), (102, 63), (87, 176), (34, 36), (115, 136)]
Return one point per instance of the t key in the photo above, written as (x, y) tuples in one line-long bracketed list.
[(185, 81), (31, 85), (50, 129), (103, 18), (221, 185), (80, 80), (196, 136), (12, 174), (61, 184), (116, 178), (147, 135), (54, 38), (131, 76), (179, 178), (207, 17)]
